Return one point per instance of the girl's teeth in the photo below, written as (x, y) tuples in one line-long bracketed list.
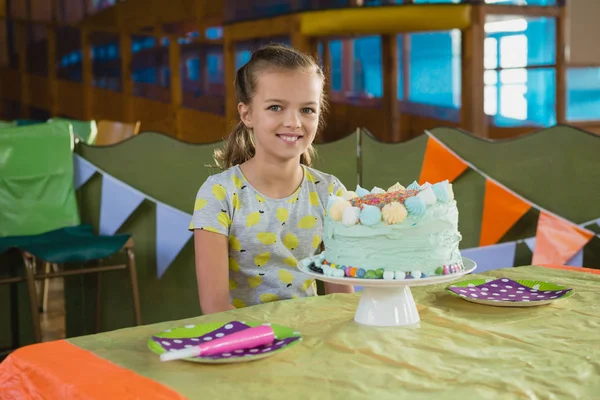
[(289, 138)]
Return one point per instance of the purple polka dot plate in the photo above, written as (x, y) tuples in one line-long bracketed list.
[(505, 292), (194, 334)]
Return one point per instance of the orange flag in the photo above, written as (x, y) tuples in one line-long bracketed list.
[(501, 210), (440, 163), (557, 240)]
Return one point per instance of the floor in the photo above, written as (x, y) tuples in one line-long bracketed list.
[(52, 320)]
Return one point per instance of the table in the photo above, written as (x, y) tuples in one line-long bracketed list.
[(461, 350)]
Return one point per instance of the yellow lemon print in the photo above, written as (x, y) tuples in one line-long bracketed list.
[(237, 182), (235, 200), (316, 241), (268, 297), (307, 284), (285, 277), (330, 188), (266, 238), (191, 225), (309, 176), (210, 229), (261, 259), (219, 192), (307, 222), (339, 192), (295, 197), (282, 215), (260, 199), (232, 284), (224, 219), (254, 281), (235, 243), (237, 303), (253, 218), (291, 261), (314, 198), (290, 241), (233, 265), (199, 204)]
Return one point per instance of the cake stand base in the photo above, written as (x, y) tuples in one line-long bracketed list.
[(390, 302)]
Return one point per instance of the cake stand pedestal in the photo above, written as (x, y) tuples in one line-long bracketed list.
[(390, 302)]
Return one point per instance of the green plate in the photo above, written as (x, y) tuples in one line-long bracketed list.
[(506, 292), (190, 335)]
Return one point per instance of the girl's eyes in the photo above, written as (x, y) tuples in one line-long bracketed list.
[(304, 110)]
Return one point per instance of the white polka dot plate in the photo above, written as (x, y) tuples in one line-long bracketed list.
[(189, 335), (505, 292)]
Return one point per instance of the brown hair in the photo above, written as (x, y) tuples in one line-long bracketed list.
[(239, 146)]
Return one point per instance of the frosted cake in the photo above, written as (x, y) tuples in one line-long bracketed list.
[(397, 233)]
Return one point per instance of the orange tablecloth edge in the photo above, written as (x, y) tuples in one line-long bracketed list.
[(574, 269), (40, 371)]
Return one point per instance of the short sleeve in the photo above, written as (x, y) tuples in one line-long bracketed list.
[(211, 208)]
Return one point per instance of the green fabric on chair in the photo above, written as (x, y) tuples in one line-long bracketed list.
[(37, 194), (84, 130), (26, 122), (70, 244)]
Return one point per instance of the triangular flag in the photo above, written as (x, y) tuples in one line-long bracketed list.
[(530, 242), (117, 203), (82, 170), (576, 260), (501, 210), (440, 163), (171, 235), (492, 257), (557, 240)]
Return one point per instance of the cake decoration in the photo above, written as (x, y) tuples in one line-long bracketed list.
[(350, 216), (349, 195), (337, 209), (377, 190), (394, 213), (380, 200), (427, 196), (370, 215), (415, 206), (396, 187), (413, 186), (360, 192), (443, 191)]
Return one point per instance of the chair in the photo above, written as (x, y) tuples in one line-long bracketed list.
[(112, 132), (86, 131), (39, 217)]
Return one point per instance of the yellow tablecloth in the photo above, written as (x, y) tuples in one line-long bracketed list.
[(461, 350)]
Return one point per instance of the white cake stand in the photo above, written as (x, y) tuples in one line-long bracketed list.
[(389, 302)]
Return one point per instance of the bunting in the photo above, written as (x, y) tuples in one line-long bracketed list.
[(83, 170), (559, 239), (501, 210), (119, 201), (440, 163)]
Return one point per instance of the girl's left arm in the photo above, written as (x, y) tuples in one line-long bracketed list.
[(336, 288)]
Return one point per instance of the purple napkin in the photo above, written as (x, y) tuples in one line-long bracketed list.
[(505, 289)]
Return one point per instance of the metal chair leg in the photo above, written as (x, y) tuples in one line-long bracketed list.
[(33, 300), (134, 285), (45, 288)]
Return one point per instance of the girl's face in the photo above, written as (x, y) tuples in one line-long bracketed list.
[(284, 113)]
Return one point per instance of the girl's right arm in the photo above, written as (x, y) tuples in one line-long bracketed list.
[(212, 271)]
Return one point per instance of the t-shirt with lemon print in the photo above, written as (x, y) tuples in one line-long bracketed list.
[(266, 236)]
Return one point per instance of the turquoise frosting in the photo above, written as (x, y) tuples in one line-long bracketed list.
[(370, 215), (422, 244), (415, 206), (441, 191), (413, 186), (360, 192)]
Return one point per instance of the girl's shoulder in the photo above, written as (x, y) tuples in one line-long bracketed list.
[(322, 182), (229, 178)]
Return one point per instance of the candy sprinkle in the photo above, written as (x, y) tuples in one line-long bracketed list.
[(382, 199)]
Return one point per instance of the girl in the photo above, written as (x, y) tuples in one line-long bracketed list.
[(254, 220)]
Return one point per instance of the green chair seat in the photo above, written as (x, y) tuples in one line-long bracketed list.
[(64, 245)]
